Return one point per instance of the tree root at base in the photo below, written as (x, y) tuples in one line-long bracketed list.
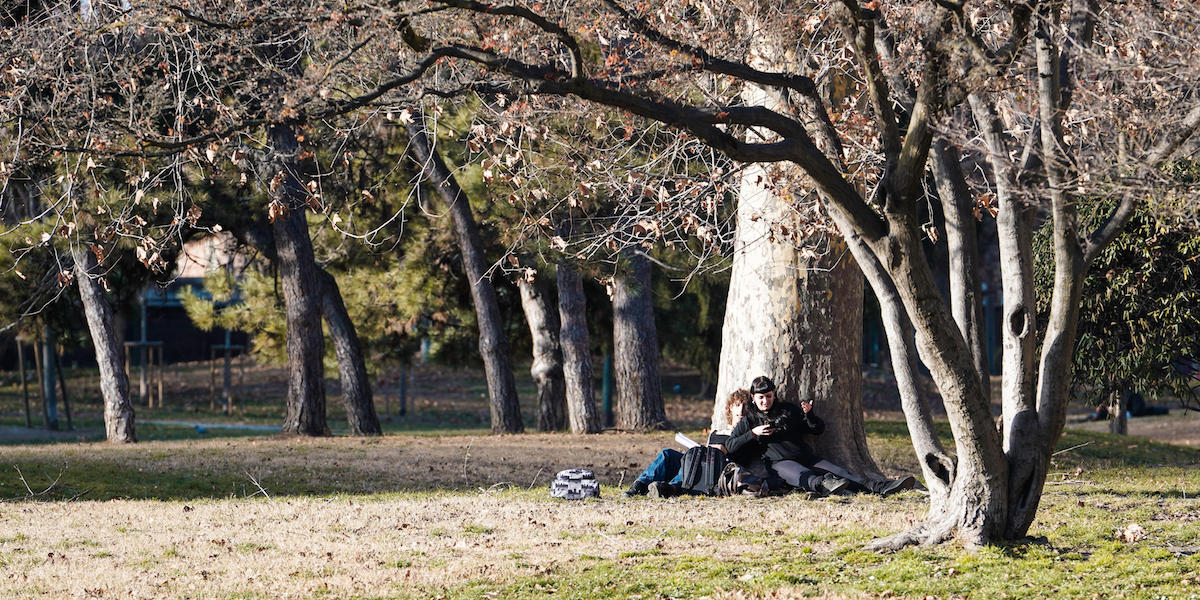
[(933, 531)]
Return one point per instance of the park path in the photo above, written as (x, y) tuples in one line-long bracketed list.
[(241, 426), (13, 434)]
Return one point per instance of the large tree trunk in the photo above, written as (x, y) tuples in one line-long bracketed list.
[(547, 367), (1023, 444), (301, 295), (357, 399), (798, 320), (114, 386), (639, 402), (493, 345), (577, 351), (792, 315)]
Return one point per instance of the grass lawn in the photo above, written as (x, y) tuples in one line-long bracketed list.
[(468, 516)]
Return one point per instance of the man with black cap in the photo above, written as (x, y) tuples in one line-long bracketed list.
[(775, 431)]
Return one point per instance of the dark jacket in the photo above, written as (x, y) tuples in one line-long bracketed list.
[(787, 443)]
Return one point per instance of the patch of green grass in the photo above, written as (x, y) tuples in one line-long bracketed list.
[(640, 553), (1077, 554), (471, 529), (82, 543), (250, 547)]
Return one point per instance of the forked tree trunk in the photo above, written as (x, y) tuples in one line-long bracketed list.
[(639, 401), (577, 351), (1014, 225), (301, 288), (937, 467), (357, 398), (547, 367), (975, 509), (493, 345), (114, 386)]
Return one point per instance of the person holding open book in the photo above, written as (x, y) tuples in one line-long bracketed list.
[(662, 477)]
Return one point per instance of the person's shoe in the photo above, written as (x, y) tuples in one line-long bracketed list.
[(661, 489), (764, 490), (888, 487), (637, 489), (831, 484)]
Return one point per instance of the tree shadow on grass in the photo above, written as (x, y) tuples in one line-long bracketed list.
[(292, 466)]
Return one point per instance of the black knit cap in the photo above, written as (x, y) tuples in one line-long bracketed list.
[(761, 385)]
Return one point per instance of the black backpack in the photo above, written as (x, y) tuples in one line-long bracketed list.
[(701, 471)]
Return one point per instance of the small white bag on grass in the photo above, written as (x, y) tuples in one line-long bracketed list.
[(575, 484)]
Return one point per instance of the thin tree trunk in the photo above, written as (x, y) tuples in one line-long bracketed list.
[(357, 398), (62, 385), (1118, 409), (547, 367), (24, 383), (577, 351), (639, 402), (301, 295), (114, 386), (46, 371), (966, 294), (493, 344), (937, 467)]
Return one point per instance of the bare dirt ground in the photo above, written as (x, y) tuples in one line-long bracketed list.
[(1179, 427)]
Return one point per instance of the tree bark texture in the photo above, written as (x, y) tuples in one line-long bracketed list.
[(966, 294), (577, 351), (357, 398), (493, 345), (114, 386), (793, 315), (1118, 412), (937, 466), (301, 288), (547, 368), (638, 405), (1022, 443)]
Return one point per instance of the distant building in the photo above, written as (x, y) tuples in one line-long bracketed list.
[(167, 321)]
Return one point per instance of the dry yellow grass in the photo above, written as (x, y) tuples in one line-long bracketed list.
[(396, 546), (391, 544)]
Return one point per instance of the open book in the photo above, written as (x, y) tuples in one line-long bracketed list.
[(685, 441)]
